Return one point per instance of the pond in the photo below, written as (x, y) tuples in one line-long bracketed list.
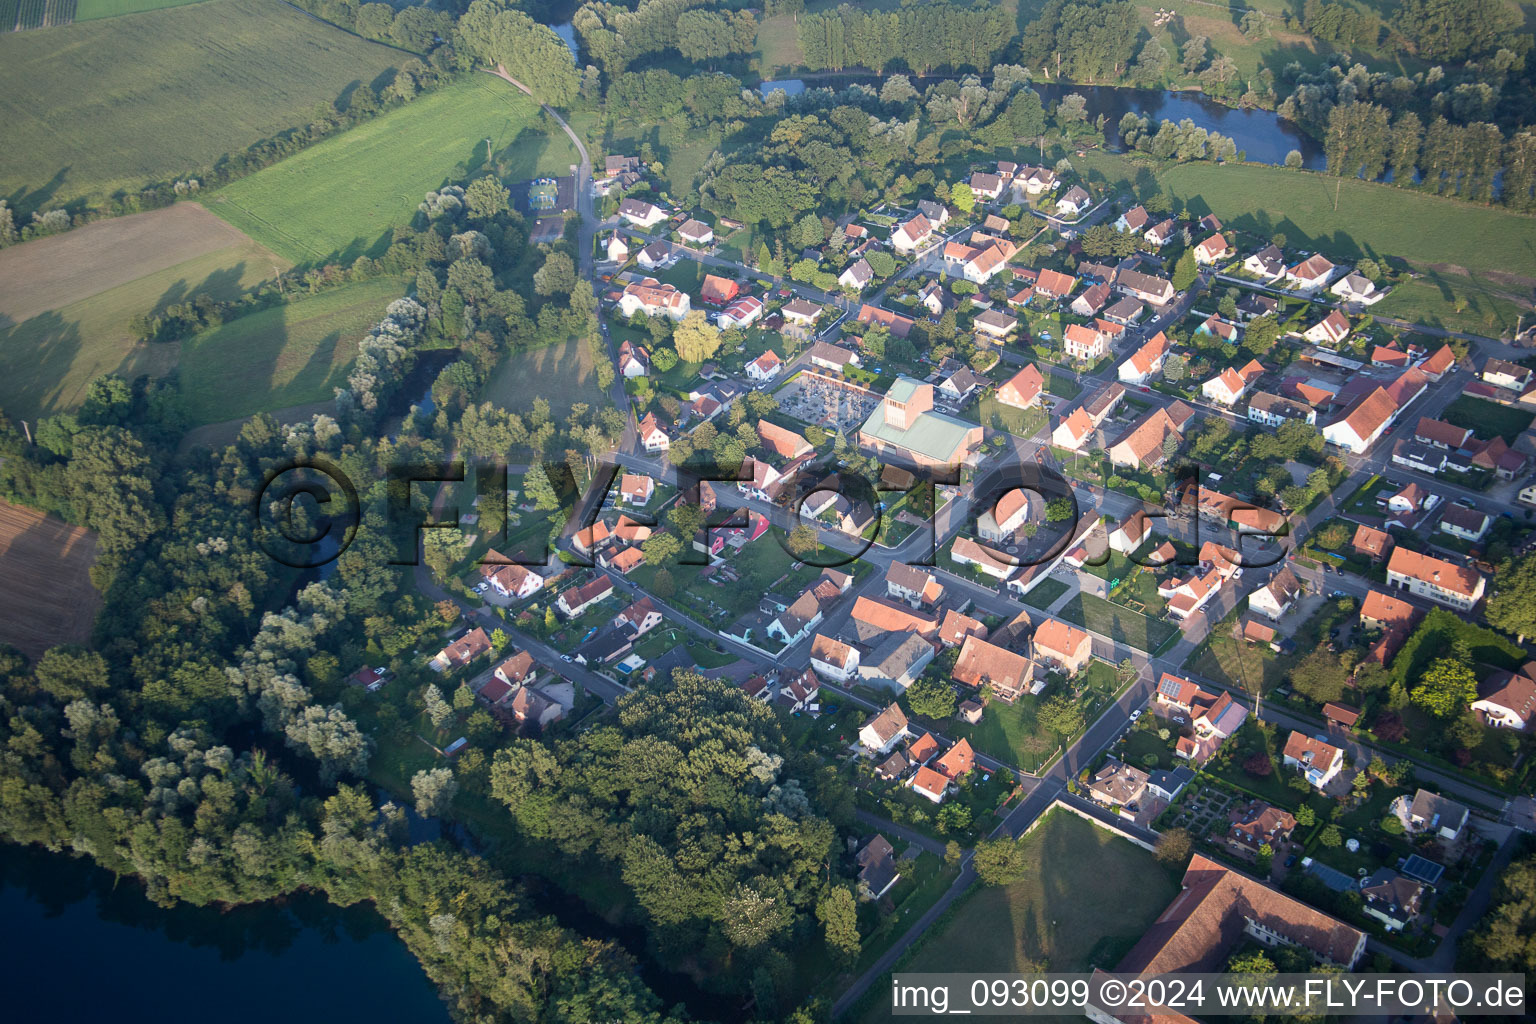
[(303, 958)]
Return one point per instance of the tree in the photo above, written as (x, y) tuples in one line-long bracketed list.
[(438, 710), (1194, 52), (695, 339), (952, 853), (1175, 367), (1447, 686), (1330, 836), (557, 276), (1252, 961), (463, 698), (1320, 677), (953, 817), (999, 861), (1174, 846), (803, 541), (931, 698), (486, 197), (963, 197), (1306, 816), (1512, 607), (1060, 715), (1261, 334), (1059, 510), (1392, 825), (1293, 160), (1333, 536), (434, 790), (661, 548), (838, 913), (1185, 271)]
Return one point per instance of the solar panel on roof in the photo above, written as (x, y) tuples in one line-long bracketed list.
[(1425, 870), (1334, 879)]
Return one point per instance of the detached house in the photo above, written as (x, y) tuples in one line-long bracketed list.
[(1442, 582), (1278, 596), (1318, 762), (765, 367), (1091, 300), (937, 213), (912, 585), (696, 233), (1074, 202), (912, 235), (1310, 274), (618, 251), (656, 254), (1506, 375), (1142, 445), (1431, 813), (1268, 264), (857, 275), (640, 213), (1212, 249), (1062, 647), (576, 600), (510, 581), (1135, 220), (1357, 288), (1146, 362), (1084, 343), (1053, 284), (653, 298), (884, 731), (1153, 290), (1508, 699), (652, 438), (1328, 331), (986, 186), (462, 651), (634, 360), (832, 659), (1022, 390), (636, 488), (1229, 386)]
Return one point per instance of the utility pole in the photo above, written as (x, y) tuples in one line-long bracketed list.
[(279, 275)]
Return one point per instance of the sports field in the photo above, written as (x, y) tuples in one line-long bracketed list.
[(283, 356), (65, 301), (344, 195), (46, 597), (111, 104)]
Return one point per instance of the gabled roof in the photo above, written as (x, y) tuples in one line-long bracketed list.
[(889, 617), (830, 651), (1301, 747), (1059, 638), (1513, 691), (1145, 359), (1455, 578), (981, 663), (1372, 541), (887, 723), (1312, 267), (1055, 283), (957, 760)]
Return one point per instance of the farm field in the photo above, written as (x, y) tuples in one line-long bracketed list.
[(1086, 897), (86, 116), (90, 10), (562, 374), (47, 360), (46, 597), (287, 355), (342, 196)]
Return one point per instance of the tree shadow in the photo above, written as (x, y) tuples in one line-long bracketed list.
[(35, 359), (25, 203)]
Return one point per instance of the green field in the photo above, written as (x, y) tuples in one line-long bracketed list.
[(90, 10), (344, 195), (283, 356), (562, 374), (1087, 897), (1487, 419), (93, 108), (47, 361)]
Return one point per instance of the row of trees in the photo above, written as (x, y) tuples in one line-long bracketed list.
[(616, 36), (921, 37)]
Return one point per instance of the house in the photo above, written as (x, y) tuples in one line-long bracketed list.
[(1442, 435), (874, 618), (517, 670), (1431, 813), (1084, 343), (1135, 220), (719, 291), (896, 661), (651, 297), (995, 224), (1215, 910), (1125, 311), (576, 600), (1142, 446), (1035, 181), (1439, 361), (510, 581), (373, 678), (912, 235), (759, 480), (1257, 304), (623, 561), (955, 627), (937, 214), (1328, 331), (1074, 202), (592, 538), (1187, 596), (1218, 328), (912, 585), (798, 690), (1062, 647), (986, 186), (656, 254), (614, 165), (1053, 284), (1008, 674), (996, 324), (1118, 784), (757, 688), (877, 868), (1130, 533), (1272, 410), (856, 276), (462, 651), (1159, 234), (618, 251), (696, 233), (1506, 375), (765, 367), (1255, 823), (960, 385), (994, 563), (1318, 761), (1022, 390), (1004, 519), (803, 613), (1146, 362), (899, 326), (652, 438), (1466, 523), (1389, 356), (1148, 288), (882, 732), (1395, 618), (1228, 386), (1391, 898), (1371, 543), (982, 262), (630, 531), (831, 357), (1508, 699), (1341, 715), (801, 311), (530, 704), (1073, 432), (640, 213), (1212, 249), (970, 712), (782, 442), (833, 659), (958, 761), (929, 783), (636, 488), (1442, 582), (1268, 264), (1310, 274), (740, 313), (1276, 597), (935, 299), (905, 426), (634, 360), (1363, 422)]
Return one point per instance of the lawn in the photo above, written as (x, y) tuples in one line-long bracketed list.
[(563, 374), (1453, 302), (1086, 898), (47, 361), (1010, 733), (1487, 419), (1045, 593), (1118, 623), (93, 108), (343, 196), (287, 355), (1025, 423)]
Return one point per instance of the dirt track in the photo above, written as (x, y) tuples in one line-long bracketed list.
[(52, 272), (46, 597)]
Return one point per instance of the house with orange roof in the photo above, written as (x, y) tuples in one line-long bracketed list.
[(651, 297), (957, 761), (631, 531), (1437, 580), (782, 442), (1022, 390), (652, 438), (1084, 343), (514, 582), (636, 488), (956, 626), (462, 651), (1074, 431), (875, 618), (765, 367), (1328, 331), (1053, 284), (928, 783), (1363, 423), (1507, 700), (1141, 446), (1310, 274), (912, 235), (1439, 361), (1371, 543), (922, 749), (1318, 761), (1061, 646), (1000, 522), (1212, 249), (833, 659), (1230, 385), (1188, 595), (1006, 673), (1146, 362), (623, 561)]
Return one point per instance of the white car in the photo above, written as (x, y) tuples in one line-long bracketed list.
[(1135, 714)]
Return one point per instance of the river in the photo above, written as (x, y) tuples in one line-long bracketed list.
[(83, 948)]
